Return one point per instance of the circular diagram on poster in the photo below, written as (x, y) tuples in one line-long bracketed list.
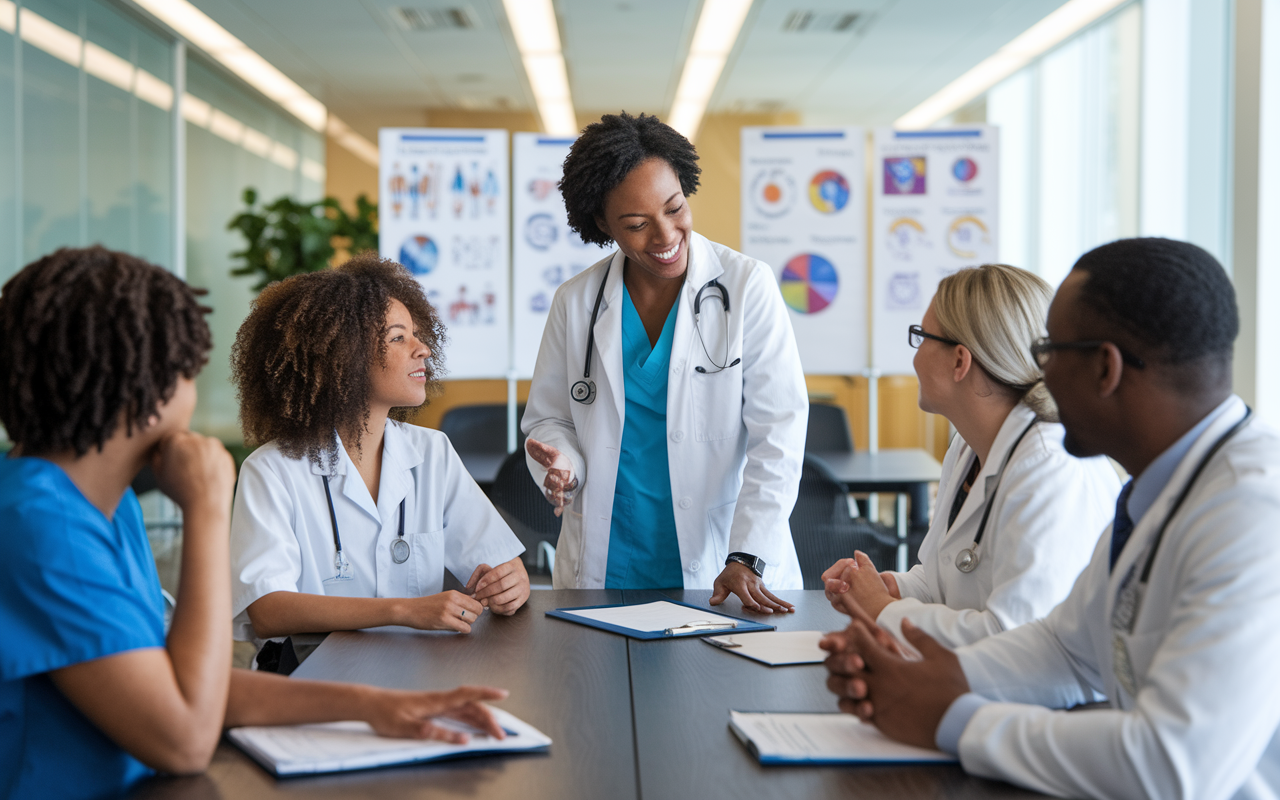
[(906, 238), (828, 191), (965, 169), (420, 254), (966, 236), (540, 231), (809, 283), (773, 192)]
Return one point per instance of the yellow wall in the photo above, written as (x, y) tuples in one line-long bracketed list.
[(716, 210)]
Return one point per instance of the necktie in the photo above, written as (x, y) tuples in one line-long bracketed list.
[(1122, 527)]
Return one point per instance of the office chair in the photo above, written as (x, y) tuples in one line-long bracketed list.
[(523, 506), (481, 428), (828, 430), (824, 532)]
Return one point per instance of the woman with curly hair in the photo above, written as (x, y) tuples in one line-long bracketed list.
[(98, 357), (347, 517), (668, 409)]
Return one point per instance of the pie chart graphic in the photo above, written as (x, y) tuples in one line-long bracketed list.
[(829, 191), (809, 283), (420, 254)]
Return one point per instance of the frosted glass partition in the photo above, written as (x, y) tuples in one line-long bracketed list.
[(234, 140)]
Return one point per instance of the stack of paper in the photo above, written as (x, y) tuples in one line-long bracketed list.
[(775, 648), (342, 746), (823, 739)]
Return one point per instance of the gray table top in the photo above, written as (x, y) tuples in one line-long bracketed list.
[(886, 467), (628, 718)]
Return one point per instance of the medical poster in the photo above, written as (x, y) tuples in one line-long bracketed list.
[(804, 214), (545, 253), (443, 213), (934, 211)]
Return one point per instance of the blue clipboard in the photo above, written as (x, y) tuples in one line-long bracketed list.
[(743, 626)]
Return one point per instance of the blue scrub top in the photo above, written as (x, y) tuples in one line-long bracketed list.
[(77, 587), (644, 552)]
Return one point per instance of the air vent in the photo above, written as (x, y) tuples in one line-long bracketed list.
[(819, 22), (432, 19)]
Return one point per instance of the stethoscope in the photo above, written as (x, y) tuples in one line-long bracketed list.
[(967, 559), (584, 391), (400, 549)]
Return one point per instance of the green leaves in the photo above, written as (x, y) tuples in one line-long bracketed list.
[(287, 238)]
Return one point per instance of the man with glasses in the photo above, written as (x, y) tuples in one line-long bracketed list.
[(1175, 618)]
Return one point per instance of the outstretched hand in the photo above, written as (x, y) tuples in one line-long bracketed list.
[(560, 483), (408, 715), (738, 579), (905, 699)]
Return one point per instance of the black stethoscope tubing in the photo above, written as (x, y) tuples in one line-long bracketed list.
[(584, 391), (967, 559), (401, 545)]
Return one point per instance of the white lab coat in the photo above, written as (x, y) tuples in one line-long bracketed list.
[(735, 438), (282, 536), (1047, 514), (1204, 651)]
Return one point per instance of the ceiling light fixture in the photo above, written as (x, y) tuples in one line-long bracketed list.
[(1037, 40), (713, 39), (533, 23)]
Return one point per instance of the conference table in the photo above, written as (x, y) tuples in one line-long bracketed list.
[(628, 718)]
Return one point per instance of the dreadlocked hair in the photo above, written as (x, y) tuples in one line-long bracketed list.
[(92, 338), (603, 156), (303, 359)]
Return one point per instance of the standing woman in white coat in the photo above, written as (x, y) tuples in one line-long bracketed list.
[(347, 517), (667, 414), (1017, 517)]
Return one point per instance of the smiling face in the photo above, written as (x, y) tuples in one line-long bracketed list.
[(401, 381), (649, 218)]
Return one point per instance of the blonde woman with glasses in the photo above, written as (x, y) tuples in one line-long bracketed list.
[(1017, 517)]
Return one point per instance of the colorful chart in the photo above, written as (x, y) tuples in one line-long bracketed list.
[(809, 283), (904, 175), (829, 191), (773, 192), (965, 169), (420, 254), (966, 236)]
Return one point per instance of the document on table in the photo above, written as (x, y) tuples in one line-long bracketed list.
[(775, 648), (342, 746), (823, 738), (657, 620)]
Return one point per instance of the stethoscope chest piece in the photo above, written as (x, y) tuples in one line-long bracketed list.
[(399, 550), (584, 391), (967, 560)]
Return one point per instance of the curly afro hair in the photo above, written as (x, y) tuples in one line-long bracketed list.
[(93, 338), (603, 156), (302, 360)]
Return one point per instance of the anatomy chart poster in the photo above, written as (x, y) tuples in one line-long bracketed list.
[(934, 211), (804, 214), (545, 253), (443, 213)]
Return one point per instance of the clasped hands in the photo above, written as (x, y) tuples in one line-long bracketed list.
[(874, 677)]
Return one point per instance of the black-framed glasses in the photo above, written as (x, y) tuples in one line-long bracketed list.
[(916, 336), (1041, 348)]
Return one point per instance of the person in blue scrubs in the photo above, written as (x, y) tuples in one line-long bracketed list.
[(98, 353)]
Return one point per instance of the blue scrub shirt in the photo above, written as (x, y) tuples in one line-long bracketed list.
[(644, 552), (77, 587)]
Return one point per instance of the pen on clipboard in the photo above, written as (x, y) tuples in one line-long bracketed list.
[(701, 625)]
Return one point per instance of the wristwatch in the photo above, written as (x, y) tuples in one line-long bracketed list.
[(747, 560)]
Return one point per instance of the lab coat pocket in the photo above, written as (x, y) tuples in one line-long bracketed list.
[(720, 522), (717, 404), (427, 560)]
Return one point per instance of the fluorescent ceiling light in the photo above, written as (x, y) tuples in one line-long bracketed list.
[(713, 39), (533, 23), (1037, 40), (194, 25)]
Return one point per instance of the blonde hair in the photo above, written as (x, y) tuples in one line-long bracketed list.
[(998, 311)]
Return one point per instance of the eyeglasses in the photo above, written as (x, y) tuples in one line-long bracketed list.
[(1041, 349), (916, 336)]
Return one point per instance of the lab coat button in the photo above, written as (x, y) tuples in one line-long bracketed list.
[(677, 436), (694, 566), (685, 502)]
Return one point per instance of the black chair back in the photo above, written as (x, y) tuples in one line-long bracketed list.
[(824, 532), (828, 430), (522, 504), (481, 428)]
